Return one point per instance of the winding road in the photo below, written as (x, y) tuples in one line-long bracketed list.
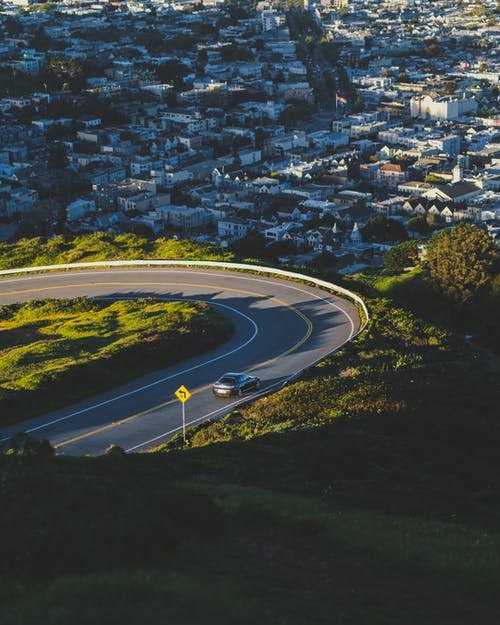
[(281, 328)]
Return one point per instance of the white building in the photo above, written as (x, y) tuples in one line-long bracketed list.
[(271, 19), (232, 227), (184, 218), (79, 208), (449, 107)]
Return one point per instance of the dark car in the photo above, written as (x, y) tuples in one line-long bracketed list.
[(235, 384)]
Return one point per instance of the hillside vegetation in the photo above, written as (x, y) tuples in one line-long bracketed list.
[(367, 492), (53, 352), (455, 283), (102, 246)]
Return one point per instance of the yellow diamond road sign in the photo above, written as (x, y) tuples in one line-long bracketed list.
[(182, 394)]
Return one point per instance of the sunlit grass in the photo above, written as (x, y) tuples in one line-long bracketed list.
[(43, 342), (100, 246)]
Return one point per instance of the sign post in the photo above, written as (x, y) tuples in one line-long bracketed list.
[(183, 395)]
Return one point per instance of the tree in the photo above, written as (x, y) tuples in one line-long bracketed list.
[(62, 69), (253, 245), (460, 262), (344, 82), (449, 87), (433, 49), (418, 224), (12, 26), (323, 261), (282, 248), (383, 229), (434, 178), (296, 112), (58, 156), (401, 256), (171, 72), (233, 52), (151, 39), (358, 105), (40, 40), (259, 137)]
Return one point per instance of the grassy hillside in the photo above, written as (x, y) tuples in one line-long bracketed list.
[(365, 493), (224, 553), (102, 246), (53, 352), (404, 418)]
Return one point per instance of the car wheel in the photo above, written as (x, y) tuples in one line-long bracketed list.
[(257, 384), (240, 392)]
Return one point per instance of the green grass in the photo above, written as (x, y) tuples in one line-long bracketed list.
[(374, 375), (462, 555), (413, 292), (387, 285), (209, 551), (83, 346), (102, 246), (367, 492), (140, 596)]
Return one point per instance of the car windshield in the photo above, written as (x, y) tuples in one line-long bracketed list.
[(226, 380)]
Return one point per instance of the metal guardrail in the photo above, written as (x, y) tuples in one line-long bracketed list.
[(272, 271), (329, 286)]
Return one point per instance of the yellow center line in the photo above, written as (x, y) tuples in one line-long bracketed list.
[(176, 284), (109, 426), (195, 392)]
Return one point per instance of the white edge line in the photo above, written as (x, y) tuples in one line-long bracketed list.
[(220, 411), (161, 381)]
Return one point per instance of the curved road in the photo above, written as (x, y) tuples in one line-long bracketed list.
[(281, 327)]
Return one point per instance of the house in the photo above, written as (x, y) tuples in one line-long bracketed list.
[(89, 121), (297, 236), (390, 175), (233, 228), (248, 157), (141, 202), (79, 208), (414, 188), (447, 210), (184, 218), (15, 200), (276, 233), (455, 192), (100, 174)]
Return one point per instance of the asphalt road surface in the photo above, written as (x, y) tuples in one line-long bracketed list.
[(281, 327)]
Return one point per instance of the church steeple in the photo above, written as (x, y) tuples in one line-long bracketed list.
[(356, 234)]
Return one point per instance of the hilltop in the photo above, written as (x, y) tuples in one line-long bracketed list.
[(367, 491)]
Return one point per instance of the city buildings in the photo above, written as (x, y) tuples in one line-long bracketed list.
[(299, 125)]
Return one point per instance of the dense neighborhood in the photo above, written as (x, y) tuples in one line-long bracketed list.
[(249, 312), (320, 133)]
